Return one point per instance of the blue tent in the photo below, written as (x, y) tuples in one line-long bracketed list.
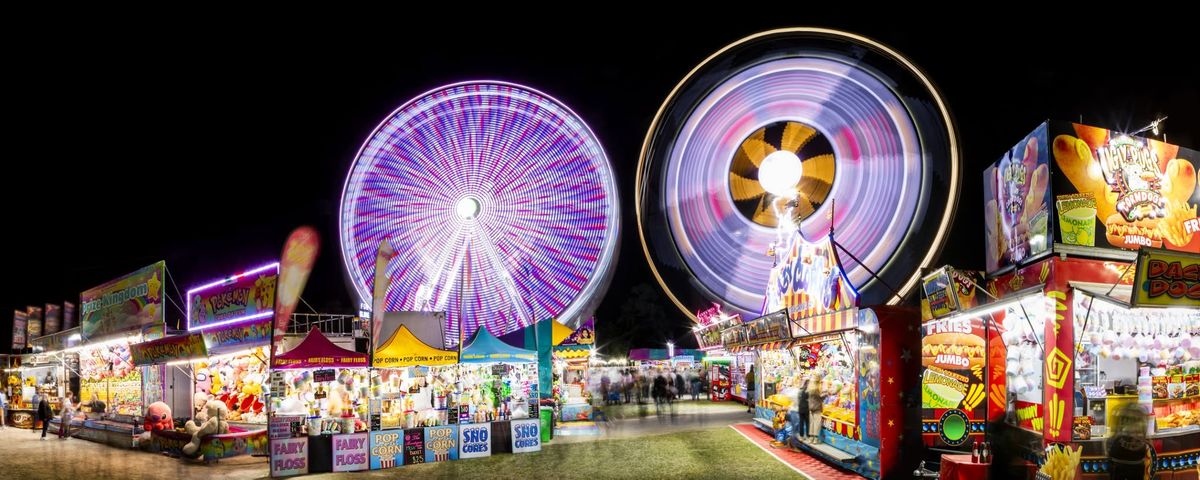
[(483, 347)]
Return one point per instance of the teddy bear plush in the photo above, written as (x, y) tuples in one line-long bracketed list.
[(210, 421)]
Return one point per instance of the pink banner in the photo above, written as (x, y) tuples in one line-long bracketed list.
[(382, 283), (299, 254)]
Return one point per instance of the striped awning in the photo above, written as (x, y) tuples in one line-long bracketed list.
[(828, 322), (777, 345)]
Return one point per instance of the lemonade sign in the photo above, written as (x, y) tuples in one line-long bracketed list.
[(1077, 219)]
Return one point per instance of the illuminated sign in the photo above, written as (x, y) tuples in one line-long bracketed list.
[(1166, 279), (247, 295)]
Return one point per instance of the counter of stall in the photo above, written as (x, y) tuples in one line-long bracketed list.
[(432, 409)]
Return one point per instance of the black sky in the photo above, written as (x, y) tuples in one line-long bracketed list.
[(205, 144)]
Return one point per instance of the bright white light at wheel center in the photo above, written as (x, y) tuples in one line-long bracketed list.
[(467, 208), (780, 172)]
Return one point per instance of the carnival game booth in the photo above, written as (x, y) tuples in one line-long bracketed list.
[(815, 339), (498, 385), (709, 324), (319, 408), (233, 315), (221, 425)]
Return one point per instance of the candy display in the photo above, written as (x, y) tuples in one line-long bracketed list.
[(1024, 338), (334, 400)]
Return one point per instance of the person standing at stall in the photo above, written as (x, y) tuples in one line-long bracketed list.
[(815, 403), (44, 414), (801, 431), (68, 412), (1128, 448), (751, 385), (680, 387)]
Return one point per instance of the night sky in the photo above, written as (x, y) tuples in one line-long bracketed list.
[(206, 145)]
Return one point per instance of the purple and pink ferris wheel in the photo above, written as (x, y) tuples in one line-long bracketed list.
[(499, 202)]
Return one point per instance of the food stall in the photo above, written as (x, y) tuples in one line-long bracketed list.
[(413, 381), (323, 389), (38, 375), (962, 388), (413, 401), (497, 384), (1099, 341)]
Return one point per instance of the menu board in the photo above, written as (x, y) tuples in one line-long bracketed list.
[(953, 357), (328, 375), (414, 446), (285, 426)]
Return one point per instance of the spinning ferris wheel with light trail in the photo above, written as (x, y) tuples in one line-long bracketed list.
[(814, 117), (499, 201)]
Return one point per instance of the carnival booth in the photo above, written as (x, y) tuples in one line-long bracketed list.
[(1066, 209), (216, 370), (962, 389), (1121, 355), (498, 385), (319, 406), (415, 382), (718, 372), (719, 375), (849, 360), (234, 316), (573, 385), (37, 376), (413, 402), (113, 391)]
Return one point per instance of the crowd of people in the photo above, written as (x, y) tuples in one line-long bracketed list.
[(649, 384)]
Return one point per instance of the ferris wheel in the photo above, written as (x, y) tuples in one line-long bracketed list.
[(499, 202), (819, 130)]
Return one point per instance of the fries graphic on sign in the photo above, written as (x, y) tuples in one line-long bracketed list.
[(1056, 411), (975, 395)]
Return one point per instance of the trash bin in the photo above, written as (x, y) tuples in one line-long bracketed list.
[(547, 415)]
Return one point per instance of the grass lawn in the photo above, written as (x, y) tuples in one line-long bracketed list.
[(712, 453)]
